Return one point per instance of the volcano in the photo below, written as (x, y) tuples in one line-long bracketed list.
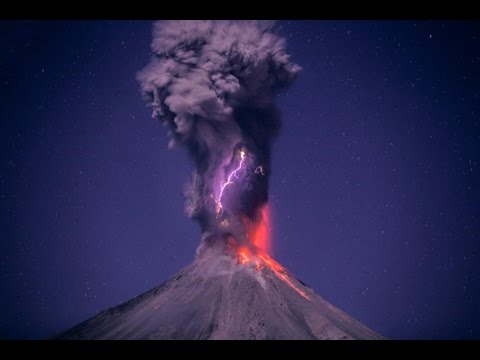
[(213, 85), (225, 296)]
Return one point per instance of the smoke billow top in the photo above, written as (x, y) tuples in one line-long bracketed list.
[(212, 84)]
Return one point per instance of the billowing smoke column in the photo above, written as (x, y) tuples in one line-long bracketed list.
[(212, 83)]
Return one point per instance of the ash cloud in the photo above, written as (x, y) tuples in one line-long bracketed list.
[(212, 84)]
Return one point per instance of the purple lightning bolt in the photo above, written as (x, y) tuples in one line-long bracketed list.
[(229, 181)]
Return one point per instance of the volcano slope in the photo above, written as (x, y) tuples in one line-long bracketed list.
[(222, 297)]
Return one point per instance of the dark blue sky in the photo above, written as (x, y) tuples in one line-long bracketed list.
[(375, 185)]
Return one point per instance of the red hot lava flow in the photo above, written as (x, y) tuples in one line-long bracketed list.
[(259, 234)]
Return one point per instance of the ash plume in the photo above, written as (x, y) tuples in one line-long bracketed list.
[(212, 84)]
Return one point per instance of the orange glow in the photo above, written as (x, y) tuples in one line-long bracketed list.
[(260, 259), (259, 232), (280, 271), (259, 235), (243, 255)]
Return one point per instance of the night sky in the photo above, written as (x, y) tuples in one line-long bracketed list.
[(375, 186)]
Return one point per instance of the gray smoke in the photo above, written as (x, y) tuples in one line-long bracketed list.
[(212, 84)]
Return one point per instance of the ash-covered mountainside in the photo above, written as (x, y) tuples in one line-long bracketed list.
[(223, 298)]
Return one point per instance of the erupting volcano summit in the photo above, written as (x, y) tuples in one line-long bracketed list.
[(213, 85)]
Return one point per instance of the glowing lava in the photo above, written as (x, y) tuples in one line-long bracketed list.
[(246, 257), (261, 260), (280, 271), (229, 181), (259, 232)]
